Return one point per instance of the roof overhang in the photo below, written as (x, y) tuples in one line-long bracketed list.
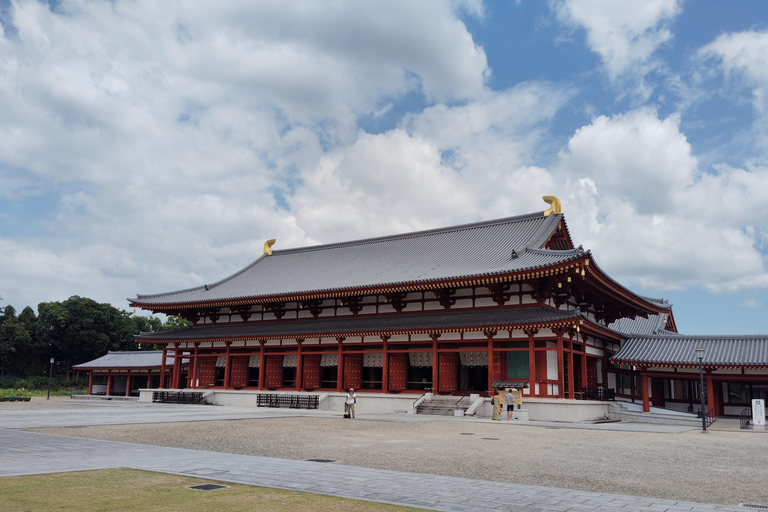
[(477, 320)]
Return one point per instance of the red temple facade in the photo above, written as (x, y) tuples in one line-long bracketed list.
[(453, 310)]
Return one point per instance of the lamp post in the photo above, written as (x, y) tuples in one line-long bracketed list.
[(700, 356), (50, 376)]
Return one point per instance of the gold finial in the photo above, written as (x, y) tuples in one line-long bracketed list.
[(268, 247), (554, 204)]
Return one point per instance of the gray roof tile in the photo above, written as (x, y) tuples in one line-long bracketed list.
[(470, 250), (133, 359), (680, 350)]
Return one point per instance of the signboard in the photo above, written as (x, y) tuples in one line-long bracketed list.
[(758, 414)]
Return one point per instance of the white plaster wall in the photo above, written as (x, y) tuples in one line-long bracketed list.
[(551, 365)]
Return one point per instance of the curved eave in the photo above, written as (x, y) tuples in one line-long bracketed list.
[(724, 366), (621, 293), (482, 279)]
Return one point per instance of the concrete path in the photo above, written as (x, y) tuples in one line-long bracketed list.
[(25, 453)]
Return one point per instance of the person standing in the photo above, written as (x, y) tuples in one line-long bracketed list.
[(496, 405), (351, 399), (510, 404)]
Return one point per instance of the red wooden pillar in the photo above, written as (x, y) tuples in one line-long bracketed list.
[(340, 365), (299, 365), (261, 364), (162, 367), (644, 385), (571, 377), (490, 333), (226, 366), (711, 402), (128, 385), (435, 365), (109, 384), (384, 364), (560, 364), (90, 383), (531, 361), (176, 379), (584, 382), (149, 381), (192, 378)]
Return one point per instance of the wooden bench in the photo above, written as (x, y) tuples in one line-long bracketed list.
[(292, 401), (177, 397)]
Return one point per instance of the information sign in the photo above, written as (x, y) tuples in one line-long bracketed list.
[(758, 414)]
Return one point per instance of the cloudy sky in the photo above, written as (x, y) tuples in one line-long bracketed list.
[(149, 146)]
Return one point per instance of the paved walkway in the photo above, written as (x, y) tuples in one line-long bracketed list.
[(25, 453), (81, 413)]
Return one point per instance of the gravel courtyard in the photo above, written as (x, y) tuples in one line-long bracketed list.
[(719, 467)]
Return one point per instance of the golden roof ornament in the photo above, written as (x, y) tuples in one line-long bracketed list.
[(554, 205), (268, 247)]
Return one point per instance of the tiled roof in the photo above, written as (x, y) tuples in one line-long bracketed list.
[(356, 325), (471, 250), (133, 359), (678, 350), (654, 324)]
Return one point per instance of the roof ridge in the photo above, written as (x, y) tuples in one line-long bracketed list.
[(412, 234), (358, 242), (701, 336)]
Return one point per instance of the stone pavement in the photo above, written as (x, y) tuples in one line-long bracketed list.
[(25, 453), (79, 413)]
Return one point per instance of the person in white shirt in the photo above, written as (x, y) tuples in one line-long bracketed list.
[(351, 399)]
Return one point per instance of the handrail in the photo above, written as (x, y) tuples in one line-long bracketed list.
[(459, 401), (427, 390), (745, 417)]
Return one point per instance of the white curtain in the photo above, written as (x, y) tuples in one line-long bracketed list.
[(290, 360), (373, 360), (221, 361), (420, 358), (479, 358), (329, 360), (254, 361)]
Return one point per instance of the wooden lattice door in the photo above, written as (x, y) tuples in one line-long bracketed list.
[(273, 372), (207, 374), (591, 372), (239, 372), (448, 369), (353, 371), (398, 372), (311, 371)]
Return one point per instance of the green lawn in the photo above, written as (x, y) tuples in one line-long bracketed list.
[(128, 489)]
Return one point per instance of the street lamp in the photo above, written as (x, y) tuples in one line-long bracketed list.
[(50, 376), (700, 356)]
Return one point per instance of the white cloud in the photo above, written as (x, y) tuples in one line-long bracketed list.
[(744, 54), (635, 196), (635, 157), (624, 34), (165, 133)]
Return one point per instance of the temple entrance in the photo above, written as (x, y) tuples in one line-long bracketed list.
[(419, 370), (473, 371)]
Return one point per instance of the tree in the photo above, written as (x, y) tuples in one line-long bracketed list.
[(80, 329), (175, 322)]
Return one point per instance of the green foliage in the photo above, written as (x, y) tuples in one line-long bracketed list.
[(73, 331), (174, 322)]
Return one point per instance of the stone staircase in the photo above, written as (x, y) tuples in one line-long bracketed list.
[(443, 405)]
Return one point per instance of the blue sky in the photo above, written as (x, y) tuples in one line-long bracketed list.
[(147, 147)]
